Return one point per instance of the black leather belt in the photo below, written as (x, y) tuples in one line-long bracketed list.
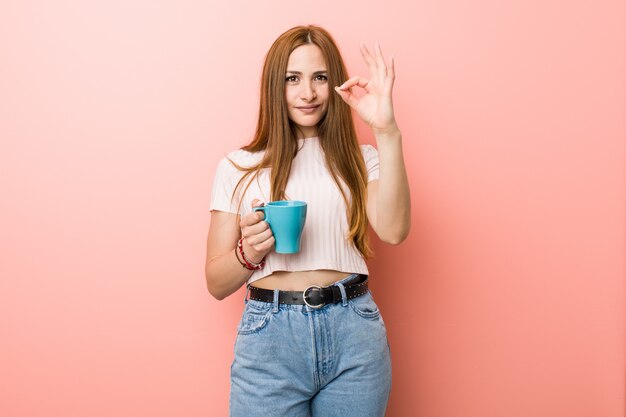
[(313, 296)]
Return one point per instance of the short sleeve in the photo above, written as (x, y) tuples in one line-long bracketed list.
[(370, 155), (226, 178)]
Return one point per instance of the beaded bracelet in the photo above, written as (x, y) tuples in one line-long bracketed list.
[(239, 260), (253, 266)]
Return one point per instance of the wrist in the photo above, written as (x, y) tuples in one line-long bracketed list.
[(391, 131), (248, 262), (251, 253)]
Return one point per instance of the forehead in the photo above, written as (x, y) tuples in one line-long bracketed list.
[(306, 57)]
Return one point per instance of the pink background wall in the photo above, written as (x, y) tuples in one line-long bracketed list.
[(507, 299)]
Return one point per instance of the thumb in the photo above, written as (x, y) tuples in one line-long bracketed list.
[(258, 203)]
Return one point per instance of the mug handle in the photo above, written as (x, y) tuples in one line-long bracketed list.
[(261, 208)]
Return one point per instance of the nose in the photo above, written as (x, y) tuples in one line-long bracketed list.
[(307, 91)]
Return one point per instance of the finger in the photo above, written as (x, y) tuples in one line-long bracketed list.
[(259, 238), (355, 81), (369, 60), (254, 229), (391, 67), (374, 68), (258, 245), (251, 219), (266, 245), (391, 74), (257, 229), (381, 61), (258, 203), (348, 97)]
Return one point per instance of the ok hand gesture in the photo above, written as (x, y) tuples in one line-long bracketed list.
[(376, 106)]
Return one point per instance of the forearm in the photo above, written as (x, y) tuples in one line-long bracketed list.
[(393, 203), (225, 275)]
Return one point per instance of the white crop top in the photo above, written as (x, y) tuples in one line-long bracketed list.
[(324, 242)]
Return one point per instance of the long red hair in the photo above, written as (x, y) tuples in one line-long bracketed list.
[(276, 134)]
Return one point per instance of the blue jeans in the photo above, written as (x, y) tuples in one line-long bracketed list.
[(295, 361)]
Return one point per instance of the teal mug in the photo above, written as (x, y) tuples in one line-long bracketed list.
[(286, 219)]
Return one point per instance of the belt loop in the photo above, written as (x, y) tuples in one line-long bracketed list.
[(344, 298), (276, 292)]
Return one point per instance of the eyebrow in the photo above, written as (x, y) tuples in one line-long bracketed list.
[(315, 73)]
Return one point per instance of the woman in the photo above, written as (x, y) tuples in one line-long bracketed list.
[(311, 340)]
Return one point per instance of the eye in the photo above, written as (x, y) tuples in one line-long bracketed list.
[(321, 78), (291, 79)]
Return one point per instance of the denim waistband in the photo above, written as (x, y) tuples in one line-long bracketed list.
[(340, 283)]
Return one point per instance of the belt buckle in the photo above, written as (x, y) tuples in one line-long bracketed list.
[(306, 302)]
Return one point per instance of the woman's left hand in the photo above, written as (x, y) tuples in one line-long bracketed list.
[(376, 106)]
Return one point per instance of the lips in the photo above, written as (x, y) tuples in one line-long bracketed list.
[(308, 109)]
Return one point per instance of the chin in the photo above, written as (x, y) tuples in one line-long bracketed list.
[(306, 125)]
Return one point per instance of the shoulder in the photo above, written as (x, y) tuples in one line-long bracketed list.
[(240, 157)]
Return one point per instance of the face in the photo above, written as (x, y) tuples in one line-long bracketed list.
[(306, 89)]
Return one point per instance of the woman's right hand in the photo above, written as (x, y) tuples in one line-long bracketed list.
[(258, 239)]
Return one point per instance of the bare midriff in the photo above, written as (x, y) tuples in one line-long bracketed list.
[(299, 280)]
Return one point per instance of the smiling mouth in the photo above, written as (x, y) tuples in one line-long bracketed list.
[(307, 110)]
